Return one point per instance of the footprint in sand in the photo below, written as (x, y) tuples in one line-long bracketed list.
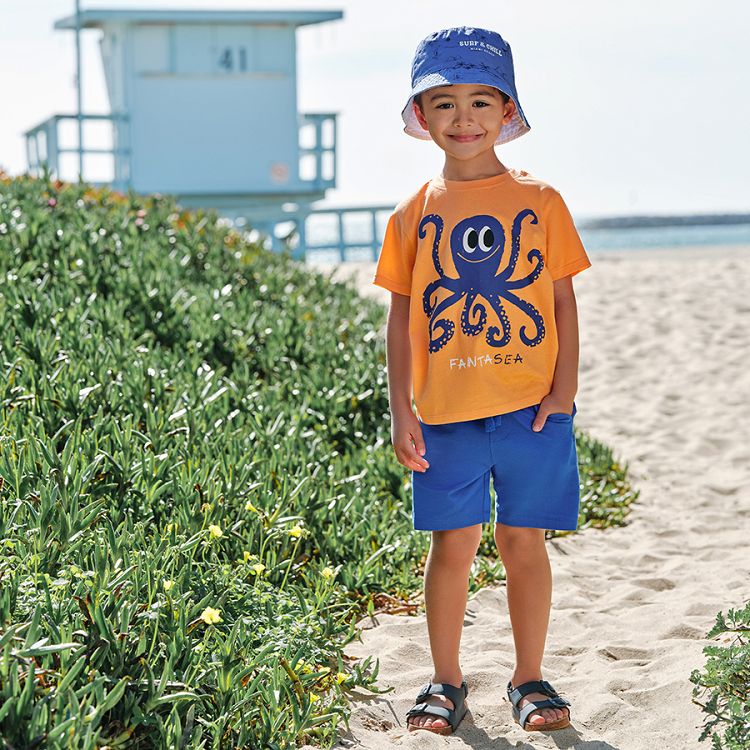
[(625, 653), (702, 609), (668, 532), (683, 631), (569, 651), (655, 584), (638, 595), (722, 489), (649, 559), (620, 684)]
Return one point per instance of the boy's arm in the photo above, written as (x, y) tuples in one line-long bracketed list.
[(565, 381), (398, 353), (405, 426)]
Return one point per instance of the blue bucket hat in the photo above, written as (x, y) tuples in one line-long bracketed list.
[(464, 54)]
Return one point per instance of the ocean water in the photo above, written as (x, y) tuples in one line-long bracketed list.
[(676, 236), (322, 237)]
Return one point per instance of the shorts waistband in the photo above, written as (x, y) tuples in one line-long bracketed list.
[(491, 423)]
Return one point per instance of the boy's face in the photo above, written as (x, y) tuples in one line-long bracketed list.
[(464, 119)]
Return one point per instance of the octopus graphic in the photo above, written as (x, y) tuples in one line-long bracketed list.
[(477, 245)]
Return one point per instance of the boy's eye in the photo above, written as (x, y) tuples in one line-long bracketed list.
[(445, 105)]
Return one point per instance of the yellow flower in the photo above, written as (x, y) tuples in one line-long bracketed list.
[(258, 568), (246, 555), (215, 530), (210, 616), (327, 572), (304, 667), (171, 526), (341, 677), (314, 697), (249, 506), (168, 585), (296, 531)]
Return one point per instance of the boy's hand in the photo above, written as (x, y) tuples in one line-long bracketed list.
[(407, 440), (551, 404)]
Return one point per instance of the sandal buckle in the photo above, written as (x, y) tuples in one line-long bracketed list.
[(417, 708), (548, 689)]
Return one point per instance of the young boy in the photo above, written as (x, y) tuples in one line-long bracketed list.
[(483, 332)]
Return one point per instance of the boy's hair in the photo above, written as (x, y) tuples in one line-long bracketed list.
[(418, 98)]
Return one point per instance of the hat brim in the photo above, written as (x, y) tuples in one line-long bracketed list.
[(517, 127)]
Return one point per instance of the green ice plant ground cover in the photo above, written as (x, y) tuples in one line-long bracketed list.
[(198, 496), (722, 687)]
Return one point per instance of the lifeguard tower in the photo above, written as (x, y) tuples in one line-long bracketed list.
[(203, 105)]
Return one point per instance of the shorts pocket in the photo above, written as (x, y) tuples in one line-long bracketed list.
[(559, 416)]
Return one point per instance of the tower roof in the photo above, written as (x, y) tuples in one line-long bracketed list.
[(96, 18)]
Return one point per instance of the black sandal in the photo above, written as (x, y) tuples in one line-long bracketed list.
[(555, 701), (452, 715)]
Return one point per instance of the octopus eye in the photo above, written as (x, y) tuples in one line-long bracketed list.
[(471, 238), (486, 239)]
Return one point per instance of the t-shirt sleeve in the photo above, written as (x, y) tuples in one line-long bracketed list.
[(566, 255), (397, 254)]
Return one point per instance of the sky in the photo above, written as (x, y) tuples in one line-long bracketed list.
[(635, 108)]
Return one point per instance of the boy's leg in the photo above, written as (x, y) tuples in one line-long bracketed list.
[(529, 587), (446, 584)]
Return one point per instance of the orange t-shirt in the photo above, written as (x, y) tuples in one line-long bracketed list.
[(478, 258)]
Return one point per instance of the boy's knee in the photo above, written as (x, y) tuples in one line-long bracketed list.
[(456, 546), (517, 536)]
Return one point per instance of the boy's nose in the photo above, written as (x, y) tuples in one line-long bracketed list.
[(463, 118), (464, 109)]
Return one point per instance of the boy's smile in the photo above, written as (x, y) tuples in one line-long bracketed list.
[(464, 120)]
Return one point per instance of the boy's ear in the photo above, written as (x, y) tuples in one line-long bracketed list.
[(420, 117), (510, 110)]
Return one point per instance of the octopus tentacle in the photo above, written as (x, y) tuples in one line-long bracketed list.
[(444, 282), (446, 325), (519, 283), (469, 328), (515, 243), (492, 331), (438, 222), (532, 312)]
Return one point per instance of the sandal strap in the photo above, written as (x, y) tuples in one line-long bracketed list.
[(455, 694), (534, 686), (428, 708)]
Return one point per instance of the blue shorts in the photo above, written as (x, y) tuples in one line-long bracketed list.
[(534, 474)]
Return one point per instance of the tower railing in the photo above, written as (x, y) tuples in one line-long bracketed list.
[(352, 233), (44, 147)]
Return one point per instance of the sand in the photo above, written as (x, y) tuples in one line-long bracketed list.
[(665, 380)]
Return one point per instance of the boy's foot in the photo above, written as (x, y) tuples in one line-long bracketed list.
[(541, 715), (432, 721)]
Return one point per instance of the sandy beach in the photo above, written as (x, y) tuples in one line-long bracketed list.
[(665, 380)]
